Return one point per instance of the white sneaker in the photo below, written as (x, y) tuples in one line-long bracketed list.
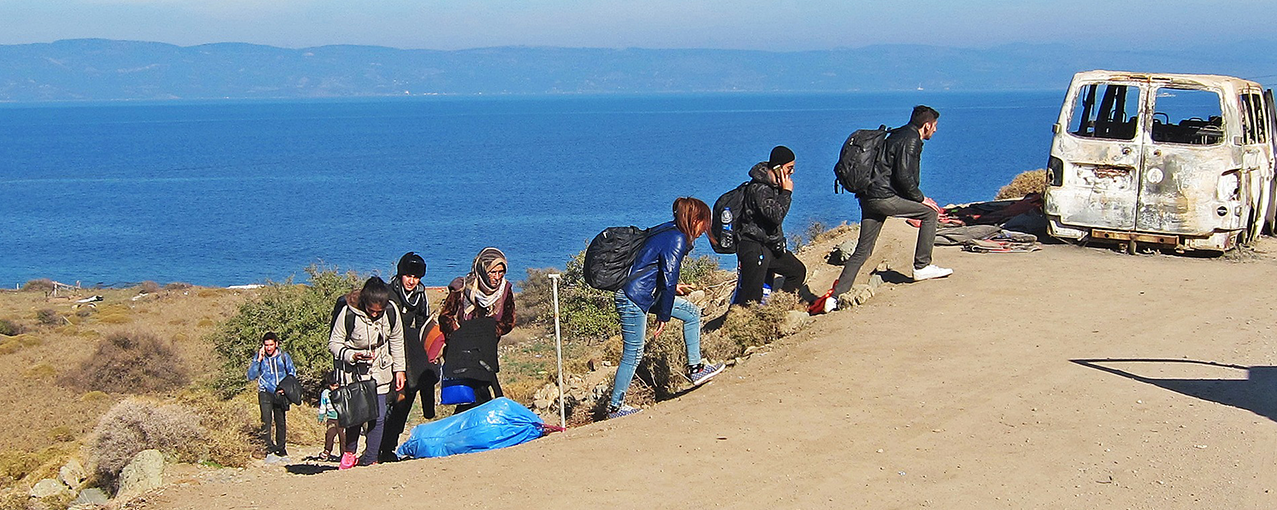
[(931, 271)]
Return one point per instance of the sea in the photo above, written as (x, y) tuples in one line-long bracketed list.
[(233, 192)]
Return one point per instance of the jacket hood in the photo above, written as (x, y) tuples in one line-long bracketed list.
[(762, 173), (352, 301)]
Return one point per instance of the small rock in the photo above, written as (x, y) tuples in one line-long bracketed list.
[(731, 362), (696, 296), (144, 472), (875, 281), (71, 474), (794, 321), (48, 488), (541, 404), (863, 293), (90, 497)]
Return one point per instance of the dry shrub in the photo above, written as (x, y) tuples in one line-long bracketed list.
[(17, 465), (10, 328), (230, 425), (9, 347), (129, 363), (759, 324), (48, 317), (44, 285), (1032, 181), (175, 286), (12, 499), (135, 424), (208, 293), (717, 347), (205, 323), (148, 287)]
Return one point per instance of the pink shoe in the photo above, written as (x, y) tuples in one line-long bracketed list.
[(347, 461)]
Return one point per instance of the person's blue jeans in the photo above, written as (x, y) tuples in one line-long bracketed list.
[(634, 332), (373, 437)]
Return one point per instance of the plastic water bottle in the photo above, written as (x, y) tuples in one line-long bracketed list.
[(767, 292), (727, 241)]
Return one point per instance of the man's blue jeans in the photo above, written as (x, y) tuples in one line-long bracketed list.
[(634, 332)]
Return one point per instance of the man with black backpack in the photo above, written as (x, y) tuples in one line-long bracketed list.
[(762, 251), (892, 190)]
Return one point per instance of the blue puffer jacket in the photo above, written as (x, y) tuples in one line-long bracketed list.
[(654, 276)]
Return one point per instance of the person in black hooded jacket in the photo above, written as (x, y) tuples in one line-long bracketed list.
[(409, 296), (763, 251)]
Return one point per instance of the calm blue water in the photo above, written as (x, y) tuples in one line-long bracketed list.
[(240, 192)]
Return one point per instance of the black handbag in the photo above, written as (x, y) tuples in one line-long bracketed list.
[(356, 402)]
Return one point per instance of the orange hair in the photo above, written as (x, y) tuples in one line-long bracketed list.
[(691, 216)]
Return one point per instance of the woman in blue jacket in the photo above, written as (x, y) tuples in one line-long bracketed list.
[(653, 287)]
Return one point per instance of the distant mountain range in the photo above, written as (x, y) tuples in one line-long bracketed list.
[(98, 69)]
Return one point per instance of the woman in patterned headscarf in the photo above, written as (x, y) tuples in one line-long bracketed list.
[(478, 311)]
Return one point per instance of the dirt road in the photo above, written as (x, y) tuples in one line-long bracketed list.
[(969, 392)]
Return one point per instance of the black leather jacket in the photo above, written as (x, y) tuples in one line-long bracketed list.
[(897, 171), (766, 205)]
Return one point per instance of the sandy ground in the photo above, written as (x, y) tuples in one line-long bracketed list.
[(1066, 378)]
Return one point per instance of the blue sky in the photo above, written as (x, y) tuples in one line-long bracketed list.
[(736, 24)]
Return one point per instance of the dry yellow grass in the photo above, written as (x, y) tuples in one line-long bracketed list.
[(45, 421)]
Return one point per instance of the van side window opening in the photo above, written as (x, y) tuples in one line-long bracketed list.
[(1254, 123), (1187, 116), (1111, 112)]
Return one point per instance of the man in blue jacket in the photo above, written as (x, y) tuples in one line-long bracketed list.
[(271, 366)]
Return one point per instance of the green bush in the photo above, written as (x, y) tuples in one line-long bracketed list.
[(584, 312), (700, 271), (299, 314)]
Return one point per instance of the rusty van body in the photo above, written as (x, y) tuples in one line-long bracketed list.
[(1169, 160)]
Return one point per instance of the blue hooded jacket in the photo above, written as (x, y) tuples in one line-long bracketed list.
[(270, 370), (653, 278)]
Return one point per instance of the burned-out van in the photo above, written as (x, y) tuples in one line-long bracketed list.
[(1169, 160)]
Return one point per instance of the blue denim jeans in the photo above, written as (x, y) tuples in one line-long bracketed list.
[(373, 436), (634, 334)]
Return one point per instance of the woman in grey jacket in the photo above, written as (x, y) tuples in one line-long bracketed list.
[(372, 348)]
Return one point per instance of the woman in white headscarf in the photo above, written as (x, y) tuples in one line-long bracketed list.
[(478, 311)]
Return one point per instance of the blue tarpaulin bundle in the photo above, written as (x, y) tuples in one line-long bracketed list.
[(495, 424)]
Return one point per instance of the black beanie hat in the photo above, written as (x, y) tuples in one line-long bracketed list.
[(412, 264), (780, 156)]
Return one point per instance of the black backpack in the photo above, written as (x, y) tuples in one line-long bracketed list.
[(855, 165), (610, 255), (725, 226)]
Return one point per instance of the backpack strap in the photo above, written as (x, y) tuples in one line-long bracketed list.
[(350, 324)]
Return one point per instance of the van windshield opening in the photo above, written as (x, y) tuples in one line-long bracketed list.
[(1106, 110), (1187, 116)]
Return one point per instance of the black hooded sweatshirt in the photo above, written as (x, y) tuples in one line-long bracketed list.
[(766, 205)]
